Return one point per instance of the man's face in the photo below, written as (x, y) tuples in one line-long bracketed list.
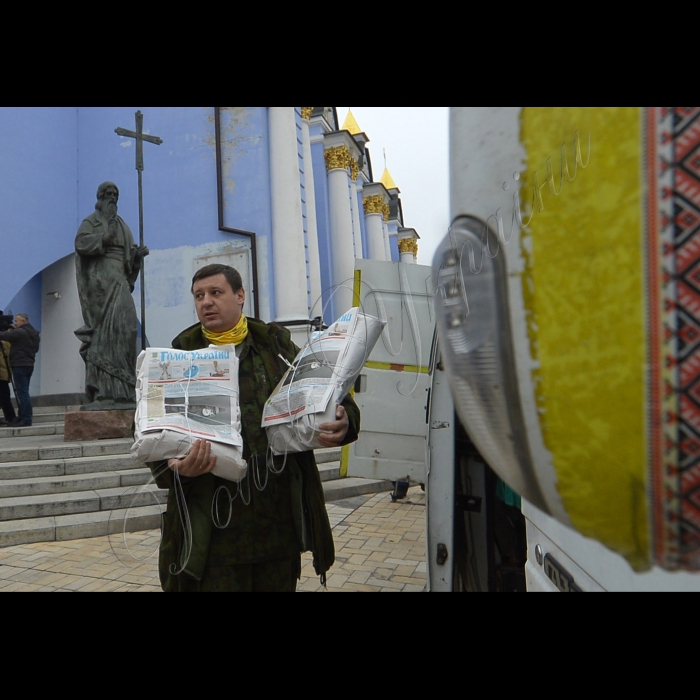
[(19, 321), (108, 202), (219, 308), (110, 195)]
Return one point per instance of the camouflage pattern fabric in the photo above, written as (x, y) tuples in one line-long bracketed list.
[(4, 369), (273, 515), (275, 576)]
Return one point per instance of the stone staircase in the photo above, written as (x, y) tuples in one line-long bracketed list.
[(52, 490)]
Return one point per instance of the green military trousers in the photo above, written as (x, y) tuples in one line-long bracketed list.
[(275, 576)]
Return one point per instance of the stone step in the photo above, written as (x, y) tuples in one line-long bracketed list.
[(86, 474), (336, 488), (40, 410), (327, 454), (36, 469), (329, 471), (48, 417), (137, 518), (53, 490), (69, 483), (48, 413), (80, 525), (349, 487), (27, 507), (52, 449), (37, 428), (122, 510)]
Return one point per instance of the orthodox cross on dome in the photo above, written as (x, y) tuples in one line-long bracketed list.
[(387, 180), (140, 138)]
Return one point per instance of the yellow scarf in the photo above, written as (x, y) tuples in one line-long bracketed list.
[(233, 337)]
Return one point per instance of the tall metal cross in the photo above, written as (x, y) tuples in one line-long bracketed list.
[(140, 138)]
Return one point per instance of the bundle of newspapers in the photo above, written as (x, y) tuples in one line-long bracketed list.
[(319, 379), (185, 396)]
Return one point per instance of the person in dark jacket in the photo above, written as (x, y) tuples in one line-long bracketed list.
[(278, 511), (24, 342), (5, 399)]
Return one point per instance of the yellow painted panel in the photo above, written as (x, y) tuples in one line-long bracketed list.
[(411, 369), (584, 300), (344, 460)]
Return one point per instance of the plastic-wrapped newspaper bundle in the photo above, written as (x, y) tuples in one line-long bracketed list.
[(319, 379), (187, 396)]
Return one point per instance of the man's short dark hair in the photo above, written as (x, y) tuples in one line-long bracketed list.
[(232, 275)]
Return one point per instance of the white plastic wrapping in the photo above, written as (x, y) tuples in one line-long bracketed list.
[(183, 397), (317, 382)]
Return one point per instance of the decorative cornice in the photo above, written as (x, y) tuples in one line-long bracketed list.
[(306, 112), (408, 245), (342, 152), (338, 158), (376, 205)]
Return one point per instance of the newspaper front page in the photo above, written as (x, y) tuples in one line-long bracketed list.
[(186, 396)]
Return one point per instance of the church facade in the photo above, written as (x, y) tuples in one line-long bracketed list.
[(287, 195)]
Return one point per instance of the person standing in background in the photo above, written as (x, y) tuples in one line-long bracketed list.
[(8, 410), (24, 342)]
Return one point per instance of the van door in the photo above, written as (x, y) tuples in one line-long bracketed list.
[(393, 390)]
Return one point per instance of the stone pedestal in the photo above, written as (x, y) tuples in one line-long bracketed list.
[(98, 425)]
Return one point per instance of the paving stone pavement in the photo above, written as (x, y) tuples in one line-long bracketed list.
[(380, 547)]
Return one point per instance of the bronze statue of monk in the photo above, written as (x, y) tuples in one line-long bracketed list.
[(107, 263)]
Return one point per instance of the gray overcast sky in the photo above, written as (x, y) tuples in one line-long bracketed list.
[(415, 140)]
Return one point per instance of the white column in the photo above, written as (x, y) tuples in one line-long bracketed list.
[(342, 240), (385, 234), (311, 226), (408, 247), (289, 258), (376, 205), (375, 236), (356, 224)]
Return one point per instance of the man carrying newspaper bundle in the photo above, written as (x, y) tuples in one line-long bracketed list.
[(275, 513)]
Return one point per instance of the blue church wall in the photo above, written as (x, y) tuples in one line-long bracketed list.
[(53, 159), (28, 301), (38, 183), (179, 178), (247, 190), (394, 244), (181, 219)]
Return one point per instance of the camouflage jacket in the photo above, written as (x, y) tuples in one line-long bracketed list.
[(4, 359), (274, 513)]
